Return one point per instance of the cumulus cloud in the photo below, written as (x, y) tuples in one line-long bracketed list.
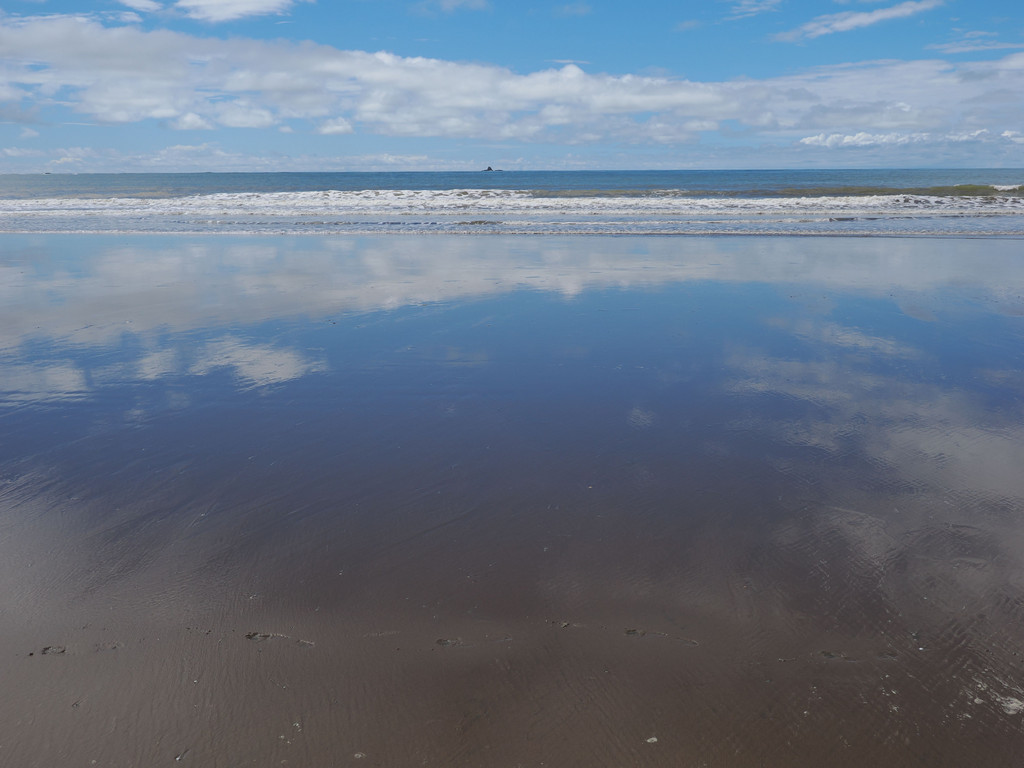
[(338, 125), (125, 74), (190, 121), (849, 20)]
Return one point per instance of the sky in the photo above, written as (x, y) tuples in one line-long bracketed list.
[(276, 85)]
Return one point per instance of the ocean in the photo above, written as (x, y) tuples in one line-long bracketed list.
[(982, 202)]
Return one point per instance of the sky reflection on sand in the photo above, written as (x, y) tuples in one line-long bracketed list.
[(94, 291), (800, 457)]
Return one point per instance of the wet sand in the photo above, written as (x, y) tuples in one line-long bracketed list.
[(700, 517)]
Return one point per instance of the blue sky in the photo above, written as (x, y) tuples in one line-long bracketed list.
[(179, 85)]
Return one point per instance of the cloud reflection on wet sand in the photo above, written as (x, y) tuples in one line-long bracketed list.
[(485, 501)]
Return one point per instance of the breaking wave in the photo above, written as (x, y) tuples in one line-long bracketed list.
[(998, 211)]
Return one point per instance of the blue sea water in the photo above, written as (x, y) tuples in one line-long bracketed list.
[(823, 202)]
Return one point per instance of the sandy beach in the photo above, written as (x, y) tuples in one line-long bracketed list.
[(550, 501)]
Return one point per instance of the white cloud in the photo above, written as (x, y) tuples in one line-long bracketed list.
[(146, 6), (124, 74), (228, 10), (75, 155), (973, 41), (190, 121), (973, 47), (335, 127), (244, 114), (863, 139), (207, 156), (850, 20), (746, 8), (19, 152)]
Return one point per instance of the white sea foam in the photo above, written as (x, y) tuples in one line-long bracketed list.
[(515, 211)]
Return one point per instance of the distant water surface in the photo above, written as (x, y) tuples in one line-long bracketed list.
[(487, 501)]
